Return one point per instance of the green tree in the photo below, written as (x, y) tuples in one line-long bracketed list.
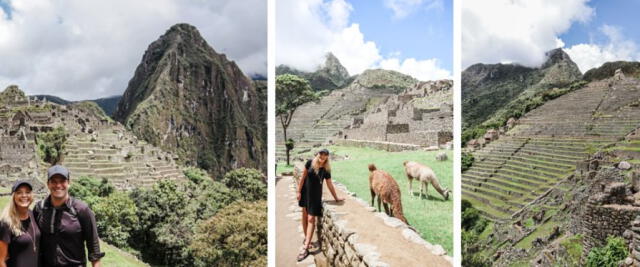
[(249, 182), (236, 236), (196, 175), (292, 92), (51, 145), (90, 190), (116, 218)]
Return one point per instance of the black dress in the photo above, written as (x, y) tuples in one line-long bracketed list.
[(311, 194), (23, 249)]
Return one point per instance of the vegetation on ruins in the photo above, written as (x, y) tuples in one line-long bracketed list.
[(51, 145), (610, 255), (292, 92), (467, 160), (171, 223)]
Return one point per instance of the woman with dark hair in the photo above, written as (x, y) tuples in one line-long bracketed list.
[(19, 232), (310, 195)]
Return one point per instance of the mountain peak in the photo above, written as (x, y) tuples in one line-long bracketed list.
[(556, 56)]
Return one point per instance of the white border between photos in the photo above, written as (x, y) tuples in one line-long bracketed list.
[(271, 132), (457, 105)]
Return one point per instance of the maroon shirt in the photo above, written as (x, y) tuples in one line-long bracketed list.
[(64, 233), (22, 249)]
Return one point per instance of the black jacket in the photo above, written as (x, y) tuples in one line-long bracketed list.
[(64, 231)]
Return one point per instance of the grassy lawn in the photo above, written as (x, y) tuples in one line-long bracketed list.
[(117, 257), (432, 216)]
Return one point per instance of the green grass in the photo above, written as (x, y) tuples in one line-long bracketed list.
[(542, 231), (573, 245), (432, 217), (116, 257)]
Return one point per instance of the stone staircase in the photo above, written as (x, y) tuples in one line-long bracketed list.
[(119, 157), (545, 146)]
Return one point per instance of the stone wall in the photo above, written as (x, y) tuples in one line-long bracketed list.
[(380, 145), (606, 220)]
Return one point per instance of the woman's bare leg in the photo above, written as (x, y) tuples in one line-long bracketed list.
[(304, 220), (311, 225)]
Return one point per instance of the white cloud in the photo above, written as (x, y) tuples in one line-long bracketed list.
[(592, 55), (403, 8), (423, 70), (308, 29), (516, 30), (80, 49)]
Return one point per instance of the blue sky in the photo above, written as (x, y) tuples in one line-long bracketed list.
[(621, 14), (521, 31), (414, 37), (424, 33)]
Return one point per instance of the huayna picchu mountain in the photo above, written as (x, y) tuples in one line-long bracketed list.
[(330, 75), (488, 88), (187, 98)]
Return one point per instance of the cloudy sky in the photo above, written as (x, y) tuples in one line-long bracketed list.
[(591, 32), (410, 36), (80, 49)]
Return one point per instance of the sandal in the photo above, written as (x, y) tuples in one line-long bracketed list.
[(311, 245), (303, 254)]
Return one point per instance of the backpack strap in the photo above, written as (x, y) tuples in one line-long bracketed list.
[(72, 208)]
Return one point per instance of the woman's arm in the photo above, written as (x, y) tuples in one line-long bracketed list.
[(4, 247), (304, 177), (333, 190)]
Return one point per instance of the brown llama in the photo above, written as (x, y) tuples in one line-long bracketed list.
[(388, 192), (425, 176)]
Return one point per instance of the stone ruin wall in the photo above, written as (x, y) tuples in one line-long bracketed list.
[(601, 221)]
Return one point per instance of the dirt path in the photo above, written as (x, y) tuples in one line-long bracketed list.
[(289, 235), (394, 249)]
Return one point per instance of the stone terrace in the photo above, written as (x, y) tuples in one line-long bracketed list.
[(313, 123), (545, 146), (118, 156)]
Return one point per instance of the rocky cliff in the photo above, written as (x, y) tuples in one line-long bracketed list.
[(329, 76), (187, 98)]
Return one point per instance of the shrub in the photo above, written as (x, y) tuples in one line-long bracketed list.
[(249, 182), (196, 175), (467, 161), (236, 236), (610, 255), (89, 189), (116, 218)]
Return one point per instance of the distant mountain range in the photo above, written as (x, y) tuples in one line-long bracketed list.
[(108, 104)]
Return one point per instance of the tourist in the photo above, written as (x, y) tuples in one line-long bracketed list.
[(19, 233), (66, 224), (310, 195)]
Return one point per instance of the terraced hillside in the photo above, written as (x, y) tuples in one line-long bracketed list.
[(114, 154), (313, 123), (544, 147)]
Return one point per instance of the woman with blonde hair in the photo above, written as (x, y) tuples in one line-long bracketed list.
[(19, 233), (310, 195)]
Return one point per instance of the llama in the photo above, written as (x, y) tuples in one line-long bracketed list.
[(425, 176), (388, 192)]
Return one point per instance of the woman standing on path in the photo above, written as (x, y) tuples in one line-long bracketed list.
[(19, 232), (310, 195)]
